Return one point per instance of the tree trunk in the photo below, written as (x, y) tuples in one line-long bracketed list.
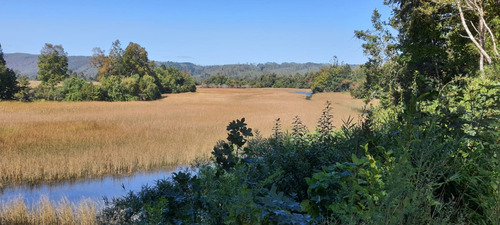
[(481, 32)]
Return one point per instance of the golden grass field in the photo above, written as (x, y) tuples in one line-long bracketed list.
[(53, 141)]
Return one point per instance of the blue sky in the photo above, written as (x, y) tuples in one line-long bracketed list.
[(202, 32)]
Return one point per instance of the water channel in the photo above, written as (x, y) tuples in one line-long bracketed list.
[(308, 94), (94, 189)]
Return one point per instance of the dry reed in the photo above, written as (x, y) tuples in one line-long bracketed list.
[(46, 212), (54, 141)]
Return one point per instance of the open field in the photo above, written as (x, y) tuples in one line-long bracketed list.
[(52, 141)]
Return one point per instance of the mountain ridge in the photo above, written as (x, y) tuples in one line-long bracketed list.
[(26, 64)]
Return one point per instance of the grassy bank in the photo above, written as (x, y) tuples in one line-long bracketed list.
[(53, 141), (47, 212)]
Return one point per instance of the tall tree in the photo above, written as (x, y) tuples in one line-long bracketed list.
[(52, 64), (380, 47), (101, 62), (8, 81), (116, 59), (135, 60), (111, 65)]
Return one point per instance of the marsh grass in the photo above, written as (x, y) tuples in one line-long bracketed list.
[(55, 141), (46, 212)]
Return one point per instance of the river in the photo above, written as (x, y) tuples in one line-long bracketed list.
[(94, 189)]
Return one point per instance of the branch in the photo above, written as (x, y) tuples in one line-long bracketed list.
[(463, 36), (480, 11), (492, 36), (473, 26), (471, 37), (469, 4)]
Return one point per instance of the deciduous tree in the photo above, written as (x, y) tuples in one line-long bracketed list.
[(135, 60)]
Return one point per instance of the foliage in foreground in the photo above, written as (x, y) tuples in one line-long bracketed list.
[(429, 161)]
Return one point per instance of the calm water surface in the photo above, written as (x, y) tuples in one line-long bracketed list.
[(308, 94), (94, 189)]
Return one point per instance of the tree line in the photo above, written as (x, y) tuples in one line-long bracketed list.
[(124, 75), (247, 70), (336, 77)]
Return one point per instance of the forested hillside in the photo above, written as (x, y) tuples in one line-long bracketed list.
[(26, 64)]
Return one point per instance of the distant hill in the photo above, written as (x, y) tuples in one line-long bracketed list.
[(26, 64)]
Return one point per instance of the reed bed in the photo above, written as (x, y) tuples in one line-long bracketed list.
[(55, 141), (46, 212)]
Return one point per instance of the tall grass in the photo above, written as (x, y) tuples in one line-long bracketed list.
[(47, 212), (54, 141)]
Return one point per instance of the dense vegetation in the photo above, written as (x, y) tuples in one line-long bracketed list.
[(428, 155), (124, 75), (434, 43), (332, 78), (437, 162)]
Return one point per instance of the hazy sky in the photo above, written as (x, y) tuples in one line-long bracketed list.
[(202, 32)]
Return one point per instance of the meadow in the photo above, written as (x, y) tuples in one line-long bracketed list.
[(54, 141)]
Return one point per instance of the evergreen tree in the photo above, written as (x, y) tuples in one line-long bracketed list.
[(52, 64), (8, 82)]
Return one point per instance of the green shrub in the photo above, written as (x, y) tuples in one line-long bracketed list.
[(148, 90), (172, 80), (25, 93), (113, 91), (77, 89), (48, 92)]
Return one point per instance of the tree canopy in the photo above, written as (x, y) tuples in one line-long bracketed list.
[(431, 47), (52, 64)]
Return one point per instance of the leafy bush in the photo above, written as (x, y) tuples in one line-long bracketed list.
[(48, 92), (112, 89), (77, 89), (148, 90), (25, 93), (132, 88), (172, 80)]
